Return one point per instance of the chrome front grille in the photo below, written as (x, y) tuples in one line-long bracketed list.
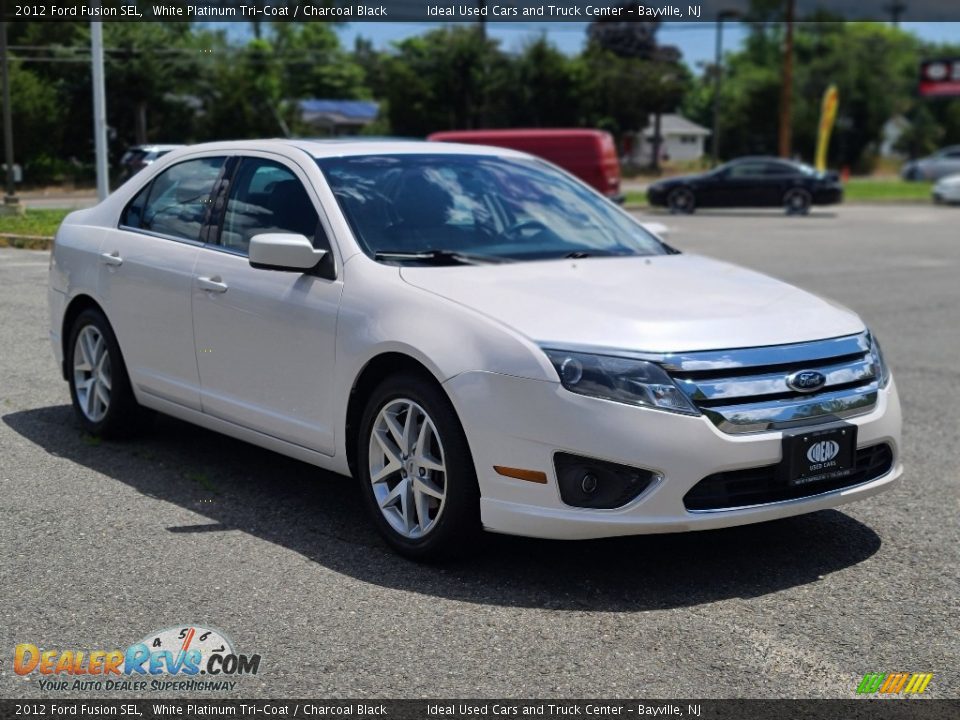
[(747, 390)]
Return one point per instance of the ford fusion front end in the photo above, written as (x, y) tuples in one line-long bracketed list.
[(641, 443)]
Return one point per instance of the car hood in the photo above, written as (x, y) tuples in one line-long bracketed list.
[(660, 304)]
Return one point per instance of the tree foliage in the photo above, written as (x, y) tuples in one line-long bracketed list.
[(183, 82), (875, 68)]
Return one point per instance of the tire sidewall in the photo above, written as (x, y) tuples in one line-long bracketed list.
[(459, 522)]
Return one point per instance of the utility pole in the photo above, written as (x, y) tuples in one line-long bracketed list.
[(786, 89), (717, 78), (99, 109), (482, 7), (11, 203)]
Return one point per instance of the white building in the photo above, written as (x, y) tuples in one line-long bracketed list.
[(682, 141)]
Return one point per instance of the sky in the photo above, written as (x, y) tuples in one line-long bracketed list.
[(695, 40)]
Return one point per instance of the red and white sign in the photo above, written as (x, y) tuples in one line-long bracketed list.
[(940, 78)]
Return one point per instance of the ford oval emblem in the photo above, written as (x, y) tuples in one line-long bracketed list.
[(806, 381)]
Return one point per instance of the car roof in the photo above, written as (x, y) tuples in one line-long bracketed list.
[(342, 147), (155, 148)]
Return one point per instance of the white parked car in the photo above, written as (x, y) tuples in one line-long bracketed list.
[(476, 336), (947, 190)]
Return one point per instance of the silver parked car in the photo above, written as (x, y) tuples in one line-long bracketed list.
[(933, 167)]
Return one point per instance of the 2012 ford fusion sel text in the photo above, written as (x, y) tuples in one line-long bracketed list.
[(481, 340)]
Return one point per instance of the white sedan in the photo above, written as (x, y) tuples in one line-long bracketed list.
[(480, 339), (947, 190)]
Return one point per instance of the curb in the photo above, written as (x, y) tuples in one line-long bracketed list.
[(26, 242)]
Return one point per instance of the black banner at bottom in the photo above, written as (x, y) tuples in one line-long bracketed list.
[(872, 709)]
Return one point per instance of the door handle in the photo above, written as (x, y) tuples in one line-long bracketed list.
[(113, 259), (212, 284)]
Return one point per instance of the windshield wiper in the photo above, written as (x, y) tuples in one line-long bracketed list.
[(438, 257)]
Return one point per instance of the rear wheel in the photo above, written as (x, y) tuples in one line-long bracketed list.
[(416, 472), (681, 201), (99, 386), (797, 201)]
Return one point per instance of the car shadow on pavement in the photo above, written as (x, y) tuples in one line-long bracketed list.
[(239, 487)]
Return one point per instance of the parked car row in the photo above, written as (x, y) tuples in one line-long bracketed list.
[(941, 164)]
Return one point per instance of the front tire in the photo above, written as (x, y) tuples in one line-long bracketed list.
[(416, 471), (99, 385)]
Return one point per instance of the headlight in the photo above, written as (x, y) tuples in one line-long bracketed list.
[(876, 355), (634, 382)]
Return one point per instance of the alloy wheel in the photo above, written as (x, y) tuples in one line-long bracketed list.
[(92, 377), (798, 202), (407, 468)]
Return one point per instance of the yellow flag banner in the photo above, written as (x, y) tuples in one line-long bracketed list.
[(828, 114)]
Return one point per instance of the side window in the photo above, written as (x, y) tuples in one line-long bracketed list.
[(133, 213), (747, 170), (177, 201), (266, 197), (775, 169)]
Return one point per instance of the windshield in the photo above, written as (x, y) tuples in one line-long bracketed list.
[(503, 208)]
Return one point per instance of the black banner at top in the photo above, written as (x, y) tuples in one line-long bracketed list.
[(506, 709), (473, 10)]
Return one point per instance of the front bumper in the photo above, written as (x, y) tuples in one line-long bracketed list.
[(521, 423), (828, 195)]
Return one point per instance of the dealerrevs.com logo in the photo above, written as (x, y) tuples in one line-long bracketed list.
[(186, 658)]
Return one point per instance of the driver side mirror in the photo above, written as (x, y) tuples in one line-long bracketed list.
[(284, 251)]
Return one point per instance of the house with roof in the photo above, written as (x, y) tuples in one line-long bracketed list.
[(338, 117), (682, 140)]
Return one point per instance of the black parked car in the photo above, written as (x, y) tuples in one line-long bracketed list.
[(750, 182)]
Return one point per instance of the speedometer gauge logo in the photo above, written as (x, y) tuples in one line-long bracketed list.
[(190, 649)]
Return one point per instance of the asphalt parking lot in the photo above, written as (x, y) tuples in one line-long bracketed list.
[(104, 542)]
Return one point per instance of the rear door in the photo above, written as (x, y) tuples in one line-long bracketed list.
[(146, 275), (265, 339)]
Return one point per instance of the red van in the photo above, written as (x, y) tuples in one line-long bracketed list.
[(588, 154)]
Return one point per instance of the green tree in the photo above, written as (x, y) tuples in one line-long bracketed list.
[(315, 65), (539, 87), (442, 79)]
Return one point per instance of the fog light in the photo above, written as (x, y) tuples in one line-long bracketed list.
[(589, 483), (584, 482)]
